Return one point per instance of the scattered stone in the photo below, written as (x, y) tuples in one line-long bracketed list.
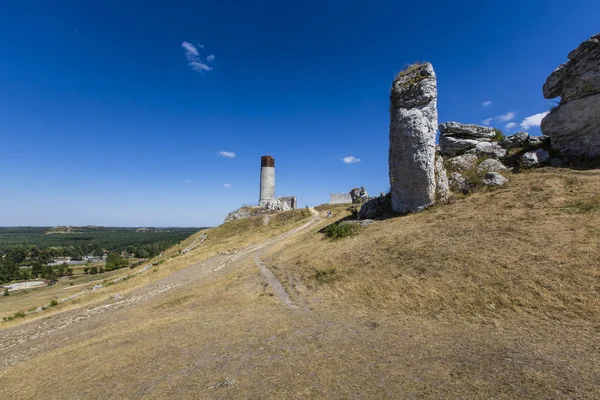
[(451, 146), (221, 384), (459, 184), (491, 165), (519, 139), (574, 126), (117, 296), (413, 128), (359, 195), (494, 179), (489, 149), (461, 163), (535, 158), (96, 287), (466, 131), (555, 162)]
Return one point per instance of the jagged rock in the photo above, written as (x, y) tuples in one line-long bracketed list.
[(580, 76), (574, 126), (375, 208), (492, 150), (519, 139), (240, 213), (466, 131), (494, 179), (555, 162), (359, 195), (413, 127), (537, 141), (451, 146), (535, 158), (442, 187), (491, 165), (461, 163), (459, 184)]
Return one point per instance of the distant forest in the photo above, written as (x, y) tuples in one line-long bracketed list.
[(38, 246)]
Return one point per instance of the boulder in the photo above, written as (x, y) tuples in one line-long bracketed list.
[(580, 76), (489, 149), (491, 165), (240, 213), (519, 139), (413, 128), (459, 184), (574, 126), (359, 195), (494, 179), (535, 158), (451, 146), (461, 163), (375, 208), (442, 188), (467, 131)]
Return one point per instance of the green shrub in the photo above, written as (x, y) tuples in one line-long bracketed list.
[(6, 292), (53, 303), (498, 136), (338, 231)]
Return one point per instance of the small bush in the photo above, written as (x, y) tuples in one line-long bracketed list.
[(20, 314), (6, 292), (338, 231), (499, 135), (53, 303)]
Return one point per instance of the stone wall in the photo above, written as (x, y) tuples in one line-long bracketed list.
[(340, 198)]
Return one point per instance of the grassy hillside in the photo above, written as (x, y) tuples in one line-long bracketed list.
[(493, 296)]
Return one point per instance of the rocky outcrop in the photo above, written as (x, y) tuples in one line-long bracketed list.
[(519, 139), (457, 139), (461, 163), (359, 195), (488, 149), (459, 184), (535, 158), (240, 213), (413, 128), (574, 126), (491, 165)]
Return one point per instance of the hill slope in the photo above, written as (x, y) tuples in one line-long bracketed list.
[(493, 296)]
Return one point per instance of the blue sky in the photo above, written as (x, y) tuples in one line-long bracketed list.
[(115, 114)]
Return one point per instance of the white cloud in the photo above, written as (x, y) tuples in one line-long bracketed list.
[(486, 103), (499, 118), (229, 154), (351, 160), (506, 117), (193, 57), (227, 185), (210, 58), (510, 125), (188, 181), (533, 120), (190, 50), (201, 46)]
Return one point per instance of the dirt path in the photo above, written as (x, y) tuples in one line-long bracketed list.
[(26, 340)]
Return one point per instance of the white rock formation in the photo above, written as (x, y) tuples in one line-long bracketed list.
[(491, 165), (535, 158), (574, 126), (494, 179), (413, 128)]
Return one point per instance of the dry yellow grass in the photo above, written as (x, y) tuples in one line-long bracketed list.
[(494, 296)]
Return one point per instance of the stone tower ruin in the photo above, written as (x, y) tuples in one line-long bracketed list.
[(267, 180)]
